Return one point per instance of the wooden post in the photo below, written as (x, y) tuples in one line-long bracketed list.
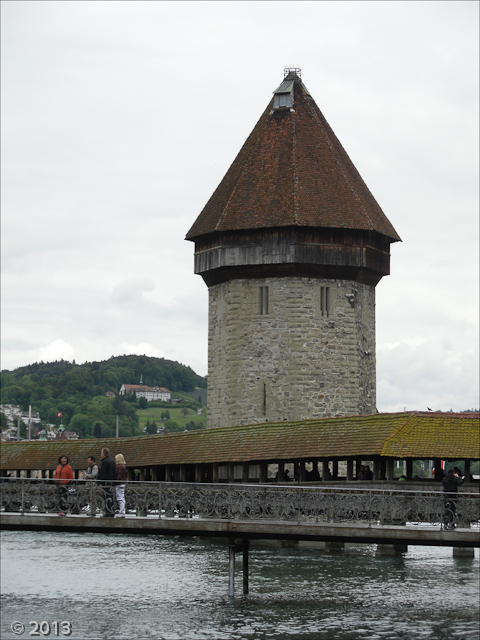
[(335, 469), (263, 472), (246, 545), (234, 547), (383, 469), (350, 475), (390, 463), (409, 468), (302, 472), (325, 471), (231, 568), (466, 471), (358, 464), (281, 471), (245, 466)]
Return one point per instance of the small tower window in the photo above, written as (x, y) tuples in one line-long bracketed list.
[(283, 100), (263, 301), (325, 301)]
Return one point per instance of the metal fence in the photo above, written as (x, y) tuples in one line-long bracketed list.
[(245, 502)]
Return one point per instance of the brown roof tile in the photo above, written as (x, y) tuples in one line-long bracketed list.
[(292, 171), (401, 435)]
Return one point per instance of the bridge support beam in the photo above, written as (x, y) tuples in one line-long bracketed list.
[(334, 547), (463, 552), (234, 547), (390, 550)]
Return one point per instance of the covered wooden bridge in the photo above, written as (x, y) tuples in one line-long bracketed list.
[(329, 449)]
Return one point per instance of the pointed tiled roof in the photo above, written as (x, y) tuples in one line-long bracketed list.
[(292, 171)]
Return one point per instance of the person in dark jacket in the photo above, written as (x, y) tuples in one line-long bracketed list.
[(106, 475), (451, 482)]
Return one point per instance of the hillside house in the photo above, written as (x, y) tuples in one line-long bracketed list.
[(13, 412), (149, 393)]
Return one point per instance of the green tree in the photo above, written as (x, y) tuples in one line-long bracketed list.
[(80, 423), (172, 427), (79, 390), (150, 429), (97, 430)]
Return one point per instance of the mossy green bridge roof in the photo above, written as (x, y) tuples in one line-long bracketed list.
[(399, 435)]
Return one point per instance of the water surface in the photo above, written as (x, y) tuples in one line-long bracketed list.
[(139, 587)]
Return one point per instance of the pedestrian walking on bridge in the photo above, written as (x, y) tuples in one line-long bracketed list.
[(91, 474), (120, 486), (107, 476), (450, 488), (63, 477)]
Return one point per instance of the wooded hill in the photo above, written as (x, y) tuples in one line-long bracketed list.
[(78, 391)]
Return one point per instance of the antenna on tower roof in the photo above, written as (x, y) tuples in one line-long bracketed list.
[(292, 69)]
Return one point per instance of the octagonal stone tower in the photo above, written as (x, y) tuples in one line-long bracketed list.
[(291, 246)]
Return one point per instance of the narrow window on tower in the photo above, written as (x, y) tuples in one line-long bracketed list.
[(325, 305), (263, 299), (264, 399)]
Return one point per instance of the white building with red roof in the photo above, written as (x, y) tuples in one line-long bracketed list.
[(150, 393)]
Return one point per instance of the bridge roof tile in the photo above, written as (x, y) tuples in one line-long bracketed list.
[(401, 435)]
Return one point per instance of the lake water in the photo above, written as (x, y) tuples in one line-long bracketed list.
[(136, 587)]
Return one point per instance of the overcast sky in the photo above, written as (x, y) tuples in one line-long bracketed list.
[(119, 119)]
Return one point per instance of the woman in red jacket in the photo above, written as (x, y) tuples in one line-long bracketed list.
[(63, 476)]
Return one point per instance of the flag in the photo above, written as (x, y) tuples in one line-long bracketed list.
[(59, 414)]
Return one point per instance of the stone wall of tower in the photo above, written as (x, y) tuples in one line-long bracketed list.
[(303, 354)]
